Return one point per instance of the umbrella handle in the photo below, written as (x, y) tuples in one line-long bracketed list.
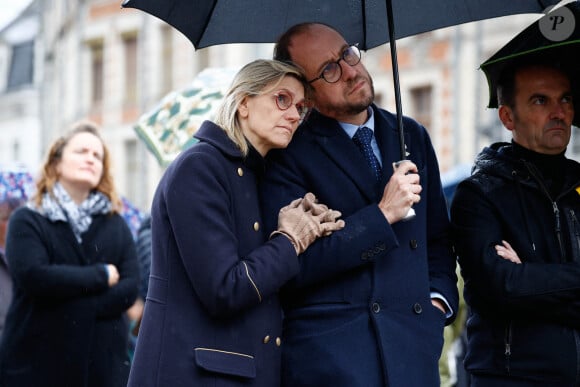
[(411, 213)]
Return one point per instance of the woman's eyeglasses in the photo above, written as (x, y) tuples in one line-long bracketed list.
[(332, 72), (284, 101)]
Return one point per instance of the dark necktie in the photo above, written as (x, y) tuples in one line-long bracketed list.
[(362, 138)]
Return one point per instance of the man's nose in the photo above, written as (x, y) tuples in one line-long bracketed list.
[(559, 110), (348, 71)]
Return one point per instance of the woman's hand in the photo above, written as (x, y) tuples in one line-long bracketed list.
[(304, 220)]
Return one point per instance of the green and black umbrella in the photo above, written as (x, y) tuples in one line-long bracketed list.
[(553, 38)]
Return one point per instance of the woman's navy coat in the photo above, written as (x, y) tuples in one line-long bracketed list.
[(66, 326), (212, 315)]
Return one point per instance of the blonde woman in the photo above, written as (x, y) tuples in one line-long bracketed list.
[(212, 316)]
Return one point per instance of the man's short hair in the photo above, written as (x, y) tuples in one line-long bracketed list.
[(506, 83), (281, 49)]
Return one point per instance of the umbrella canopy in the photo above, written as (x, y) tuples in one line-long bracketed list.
[(169, 127), (369, 23), (212, 22), (555, 37)]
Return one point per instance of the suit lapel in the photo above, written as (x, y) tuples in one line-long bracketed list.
[(387, 137), (341, 149)]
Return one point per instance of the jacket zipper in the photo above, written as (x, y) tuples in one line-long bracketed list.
[(508, 346), (558, 226), (558, 230), (577, 357), (576, 234)]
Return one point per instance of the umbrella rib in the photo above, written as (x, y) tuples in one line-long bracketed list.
[(364, 21), (207, 20), (515, 55)]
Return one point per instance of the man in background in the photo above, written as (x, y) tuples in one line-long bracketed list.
[(517, 233)]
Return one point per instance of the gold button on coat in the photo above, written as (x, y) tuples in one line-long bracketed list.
[(266, 339), (256, 226), (240, 172), (278, 341)]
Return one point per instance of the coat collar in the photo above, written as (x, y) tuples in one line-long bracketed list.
[(216, 136), (498, 159)]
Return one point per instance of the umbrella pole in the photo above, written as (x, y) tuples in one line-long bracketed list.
[(398, 105), (392, 42)]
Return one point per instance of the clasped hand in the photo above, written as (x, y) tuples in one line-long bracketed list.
[(401, 192), (304, 220)]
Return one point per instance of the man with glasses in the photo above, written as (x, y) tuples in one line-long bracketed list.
[(370, 302)]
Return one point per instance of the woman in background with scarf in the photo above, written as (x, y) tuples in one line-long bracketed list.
[(74, 267)]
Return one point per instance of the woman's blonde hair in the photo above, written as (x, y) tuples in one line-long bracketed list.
[(49, 175), (251, 80)]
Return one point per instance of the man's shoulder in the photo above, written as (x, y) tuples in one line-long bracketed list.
[(573, 167), (391, 119), (485, 181)]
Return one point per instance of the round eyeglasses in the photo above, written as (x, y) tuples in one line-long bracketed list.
[(332, 72), (284, 100)]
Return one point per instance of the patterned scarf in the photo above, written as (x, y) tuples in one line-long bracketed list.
[(62, 207)]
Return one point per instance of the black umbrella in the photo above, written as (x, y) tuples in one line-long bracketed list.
[(368, 23), (555, 38)]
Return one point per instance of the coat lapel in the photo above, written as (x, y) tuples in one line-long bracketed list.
[(387, 138), (341, 149)]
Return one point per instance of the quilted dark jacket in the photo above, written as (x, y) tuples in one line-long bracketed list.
[(524, 318)]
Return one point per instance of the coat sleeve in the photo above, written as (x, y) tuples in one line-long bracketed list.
[(29, 246), (118, 298), (198, 199), (527, 290), (343, 250), (441, 258), (292, 174)]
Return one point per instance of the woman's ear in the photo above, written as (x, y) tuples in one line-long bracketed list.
[(243, 109)]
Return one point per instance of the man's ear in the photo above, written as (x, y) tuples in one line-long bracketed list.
[(506, 116)]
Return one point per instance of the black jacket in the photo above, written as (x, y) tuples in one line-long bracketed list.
[(524, 318), (66, 326)]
